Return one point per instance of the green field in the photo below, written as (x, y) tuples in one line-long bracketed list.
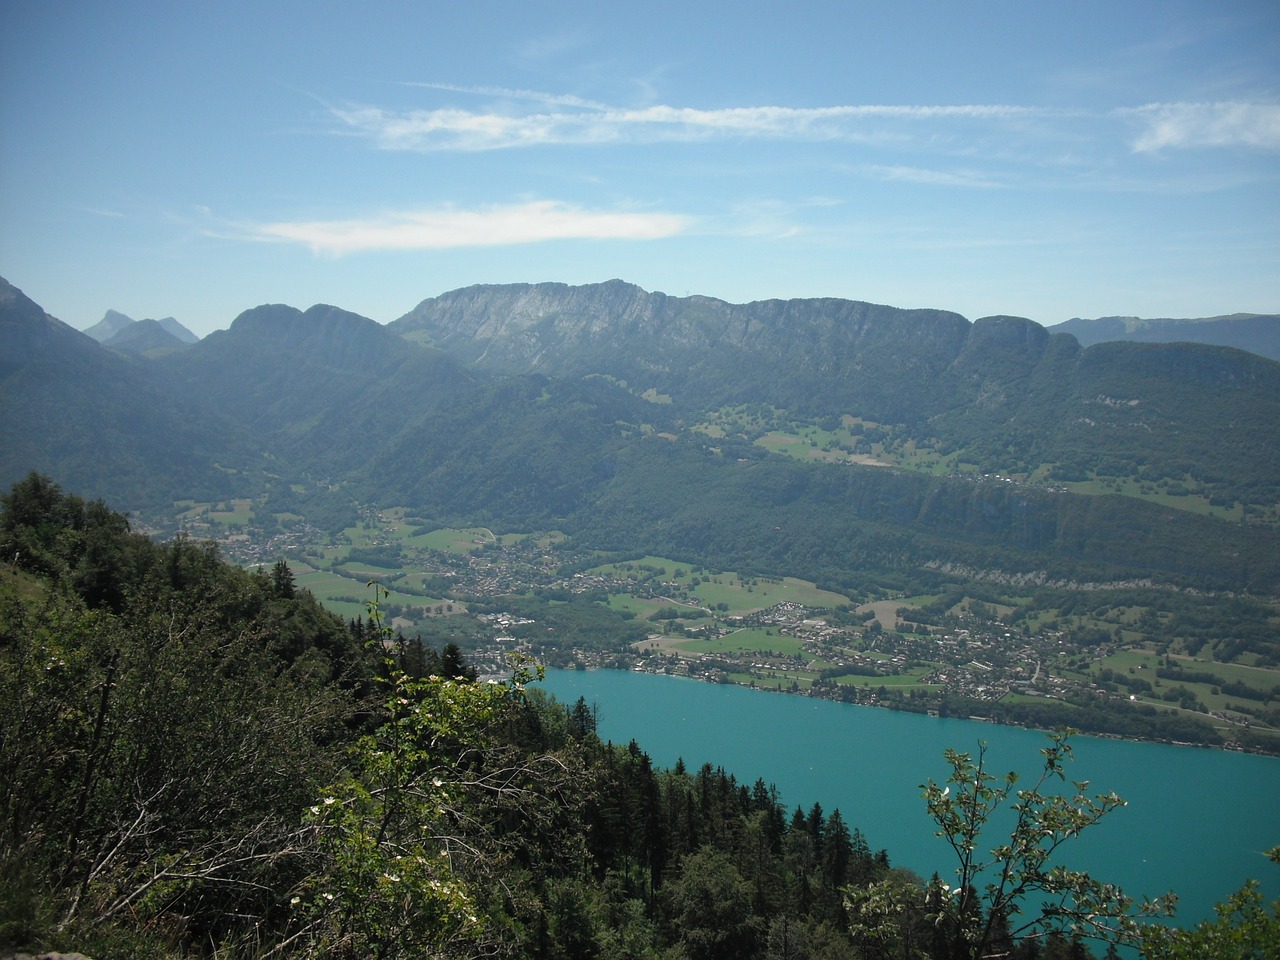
[(912, 680), (226, 513), (645, 608), (348, 598), (1144, 664), (449, 540), (739, 595), (1191, 503), (755, 639)]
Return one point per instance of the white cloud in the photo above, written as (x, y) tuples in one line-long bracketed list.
[(510, 93), (1190, 125), (585, 122), (449, 227), (524, 118)]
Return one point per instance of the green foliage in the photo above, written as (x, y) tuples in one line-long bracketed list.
[(157, 750), (409, 837), (1018, 872), (710, 903), (1243, 928)]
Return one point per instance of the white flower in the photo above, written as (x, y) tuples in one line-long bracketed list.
[(330, 800)]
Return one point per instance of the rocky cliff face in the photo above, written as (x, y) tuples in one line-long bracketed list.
[(531, 325), (697, 348)]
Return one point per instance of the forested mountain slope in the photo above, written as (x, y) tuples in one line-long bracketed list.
[(320, 390), (609, 412), (100, 420), (1006, 393)]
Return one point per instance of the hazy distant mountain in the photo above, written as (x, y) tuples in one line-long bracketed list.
[(130, 338), (1256, 332), (586, 409), (324, 386), (173, 327), (111, 324), (148, 338), (97, 421)]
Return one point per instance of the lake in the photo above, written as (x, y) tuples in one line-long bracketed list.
[(1197, 821)]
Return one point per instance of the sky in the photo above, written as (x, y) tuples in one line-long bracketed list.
[(1046, 160)]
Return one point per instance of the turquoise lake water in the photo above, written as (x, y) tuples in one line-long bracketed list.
[(1197, 821)]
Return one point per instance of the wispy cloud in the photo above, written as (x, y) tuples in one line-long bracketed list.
[(510, 93), (509, 121), (449, 227), (585, 122), (1192, 125)]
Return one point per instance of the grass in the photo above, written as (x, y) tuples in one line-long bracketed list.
[(751, 640), (1262, 677), (1144, 664), (226, 513), (234, 513), (334, 592), (644, 607), (645, 567), (1127, 487), (450, 540), (739, 595), (900, 681), (886, 612)]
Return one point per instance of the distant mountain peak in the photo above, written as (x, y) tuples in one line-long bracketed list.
[(112, 322), (149, 338), (178, 330)]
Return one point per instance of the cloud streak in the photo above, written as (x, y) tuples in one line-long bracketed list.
[(449, 227), (559, 119), (584, 122)]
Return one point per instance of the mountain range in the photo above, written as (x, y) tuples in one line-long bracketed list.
[(146, 337), (1256, 332), (645, 422)]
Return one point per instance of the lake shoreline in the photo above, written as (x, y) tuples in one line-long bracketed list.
[(1230, 747)]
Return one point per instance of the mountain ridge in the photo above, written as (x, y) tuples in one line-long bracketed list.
[(114, 325), (1010, 390), (1254, 332), (96, 418), (146, 337), (585, 408)]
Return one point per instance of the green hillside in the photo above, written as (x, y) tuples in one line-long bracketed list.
[(200, 762)]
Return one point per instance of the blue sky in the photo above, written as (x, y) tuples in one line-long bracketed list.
[(1047, 160)]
